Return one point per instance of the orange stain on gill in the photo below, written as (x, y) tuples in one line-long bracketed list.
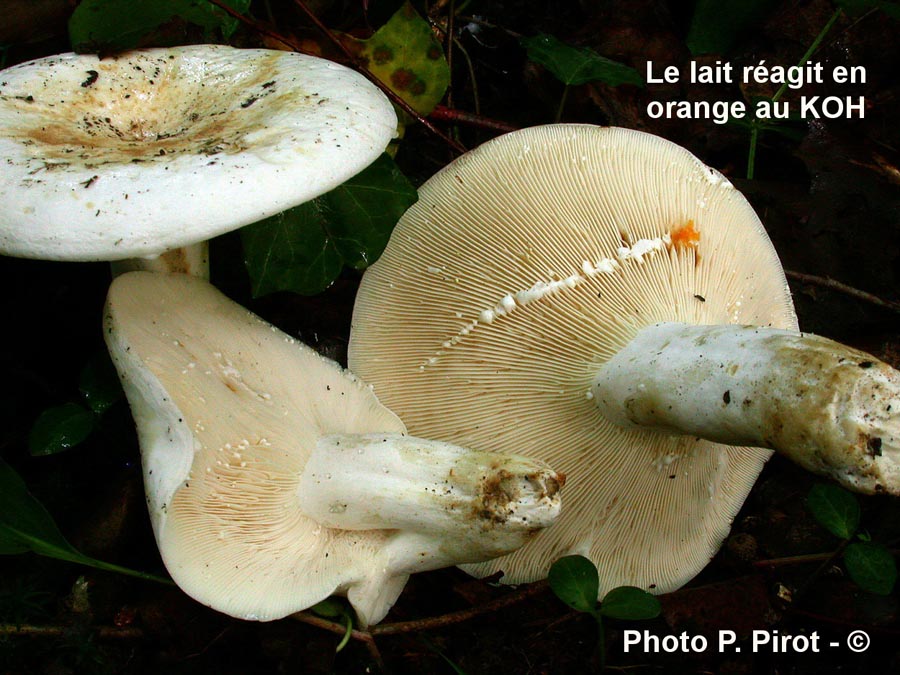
[(685, 236)]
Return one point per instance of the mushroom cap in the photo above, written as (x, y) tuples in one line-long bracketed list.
[(227, 410), (155, 149), (525, 265)]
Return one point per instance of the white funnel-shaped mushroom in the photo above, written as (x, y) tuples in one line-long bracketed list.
[(274, 478), (554, 293), (137, 154)]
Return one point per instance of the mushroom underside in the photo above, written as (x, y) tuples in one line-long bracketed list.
[(523, 268), (264, 464)]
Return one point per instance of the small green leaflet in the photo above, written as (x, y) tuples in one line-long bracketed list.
[(60, 428), (304, 248), (99, 384), (578, 65), (25, 526), (835, 509), (118, 25), (871, 566), (629, 603), (329, 608), (575, 581)]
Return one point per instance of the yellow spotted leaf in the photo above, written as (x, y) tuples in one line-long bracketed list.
[(405, 55)]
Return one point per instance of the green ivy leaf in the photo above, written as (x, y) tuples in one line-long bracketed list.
[(714, 28), (871, 566), (118, 25), (303, 249), (25, 525), (578, 65), (629, 603), (405, 55), (835, 509), (575, 581), (60, 428), (99, 383), (329, 608)]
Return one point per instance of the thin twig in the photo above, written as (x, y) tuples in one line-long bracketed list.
[(487, 24), (333, 626), (472, 79), (363, 636), (445, 114), (831, 284), (375, 654), (869, 628), (792, 560), (453, 41), (101, 632), (820, 570), (429, 623), (258, 27), (754, 132), (390, 93), (448, 47), (801, 559), (462, 615)]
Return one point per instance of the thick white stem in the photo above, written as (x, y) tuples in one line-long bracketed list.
[(829, 408), (459, 505), (193, 260)]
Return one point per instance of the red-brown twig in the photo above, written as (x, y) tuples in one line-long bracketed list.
[(333, 626), (390, 93), (463, 614), (362, 635), (101, 632), (454, 116), (831, 284), (260, 28), (800, 559), (429, 623), (870, 628)]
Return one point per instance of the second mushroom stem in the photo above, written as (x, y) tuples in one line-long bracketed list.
[(829, 408), (193, 260), (471, 505)]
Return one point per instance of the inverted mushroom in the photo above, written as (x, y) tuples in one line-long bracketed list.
[(139, 154), (274, 478), (600, 299)]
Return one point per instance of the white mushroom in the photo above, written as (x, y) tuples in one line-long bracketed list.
[(579, 294), (274, 478), (135, 155)]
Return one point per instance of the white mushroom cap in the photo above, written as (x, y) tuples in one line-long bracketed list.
[(274, 478), (524, 267), (133, 155)]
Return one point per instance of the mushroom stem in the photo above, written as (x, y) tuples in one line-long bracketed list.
[(192, 259), (831, 409), (468, 506)]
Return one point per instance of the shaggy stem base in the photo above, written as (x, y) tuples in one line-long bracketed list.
[(831, 409)]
